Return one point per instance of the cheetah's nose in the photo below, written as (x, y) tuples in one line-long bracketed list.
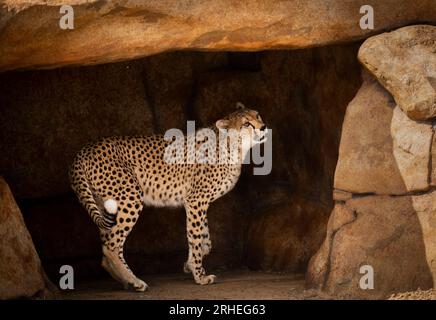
[(263, 127)]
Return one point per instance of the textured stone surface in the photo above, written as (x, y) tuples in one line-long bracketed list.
[(382, 152), (170, 82), (48, 116), (366, 161), (384, 232), (340, 195), (21, 273), (425, 207), (433, 158), (284, 236), (107, 31), (404, 61), (412, 150), (318, 266)]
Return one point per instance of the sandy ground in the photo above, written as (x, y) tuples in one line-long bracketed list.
[(415, 295), (238, 285), (231, 285)]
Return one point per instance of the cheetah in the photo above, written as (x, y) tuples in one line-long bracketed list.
[(116, 177)]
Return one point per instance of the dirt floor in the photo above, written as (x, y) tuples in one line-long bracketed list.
[(415, 295), (238, 285), (231, 285)]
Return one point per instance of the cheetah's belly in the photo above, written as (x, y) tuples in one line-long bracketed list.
[(151, 200), (163, 188)]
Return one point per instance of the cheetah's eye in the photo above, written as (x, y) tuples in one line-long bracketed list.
[(247, 124)]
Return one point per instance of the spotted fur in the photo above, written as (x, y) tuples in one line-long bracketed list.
[(115, 177)]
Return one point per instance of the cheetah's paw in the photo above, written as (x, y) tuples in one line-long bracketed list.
[(206, 248), (186, 267), (137, 285), (207, 280)]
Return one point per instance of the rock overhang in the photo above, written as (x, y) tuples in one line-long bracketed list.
[(108, 31)]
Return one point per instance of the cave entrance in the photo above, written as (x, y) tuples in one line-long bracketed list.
[(269, 223)]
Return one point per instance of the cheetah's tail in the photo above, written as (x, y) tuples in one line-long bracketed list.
[(103, 219)]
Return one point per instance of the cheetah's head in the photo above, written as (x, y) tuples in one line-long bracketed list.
[(248, 123)]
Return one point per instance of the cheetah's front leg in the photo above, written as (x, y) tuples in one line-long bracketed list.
[(206, 244), (195, 224)]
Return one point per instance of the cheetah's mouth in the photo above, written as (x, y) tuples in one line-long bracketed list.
[(260, 136), (261, 139)]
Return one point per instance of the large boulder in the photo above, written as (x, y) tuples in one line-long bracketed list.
[(404, 61), (394, 235), (385, 214), (412, 150), (106, 31), (425, 208), (433, 158), (21, 273), (383, 150), (366, 161)]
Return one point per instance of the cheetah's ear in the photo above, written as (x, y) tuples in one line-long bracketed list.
[(222, 124), (239, 105)]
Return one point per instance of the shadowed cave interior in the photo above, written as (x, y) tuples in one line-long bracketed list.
[(270, 223)]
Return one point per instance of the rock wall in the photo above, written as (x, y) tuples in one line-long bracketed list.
[(107, 31), (21, 273), (385, 196), (404, 61), (273, 222)]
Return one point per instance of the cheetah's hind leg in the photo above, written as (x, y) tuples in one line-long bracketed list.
[(119, 270), (105, 263), (114, 239)]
